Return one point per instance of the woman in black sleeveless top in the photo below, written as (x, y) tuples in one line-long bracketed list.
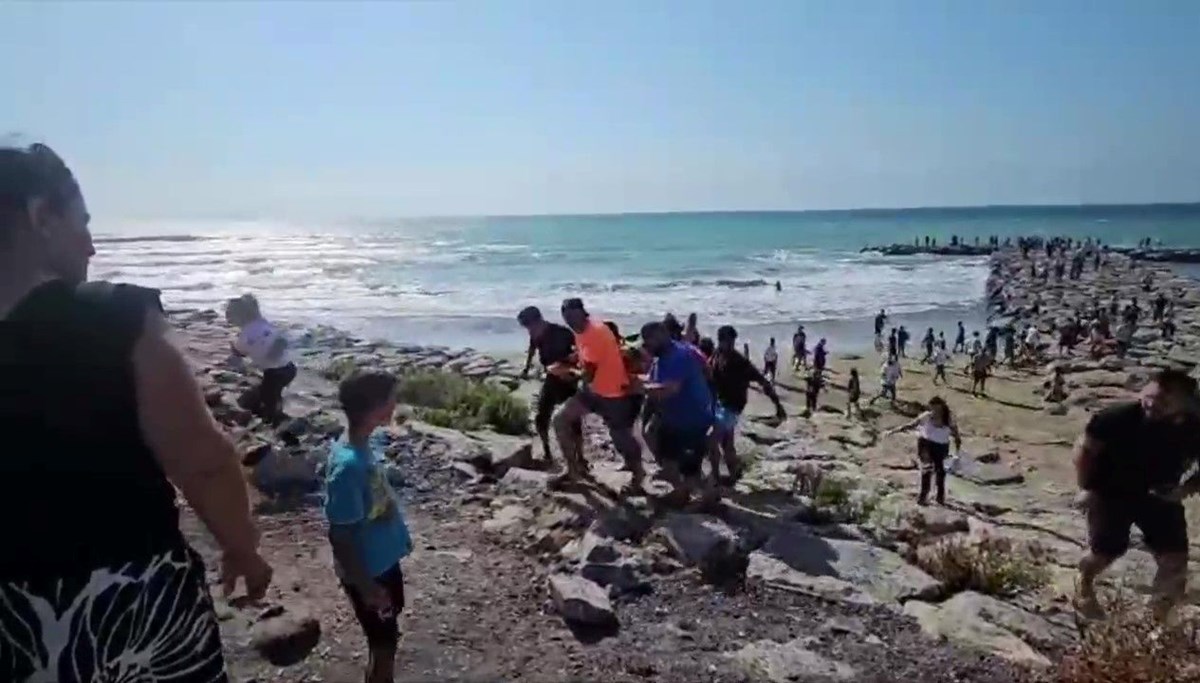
[(100, 416)]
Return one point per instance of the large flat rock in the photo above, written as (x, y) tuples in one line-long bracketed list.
[(984, 623), (860, 572), (766, 660)]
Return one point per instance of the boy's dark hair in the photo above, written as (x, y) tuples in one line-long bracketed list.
[(363, 392), (1176, 382), (529, 315), (30, 172)]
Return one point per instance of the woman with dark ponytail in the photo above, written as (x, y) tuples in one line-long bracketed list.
[(936, 429), (103, 421)]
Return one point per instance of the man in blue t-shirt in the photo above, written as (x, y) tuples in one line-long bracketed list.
[(679, 388), (366, 527)]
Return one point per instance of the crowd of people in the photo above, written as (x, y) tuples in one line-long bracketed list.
[(106, 422)]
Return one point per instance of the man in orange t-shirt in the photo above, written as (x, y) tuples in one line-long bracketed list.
[(606, 392)]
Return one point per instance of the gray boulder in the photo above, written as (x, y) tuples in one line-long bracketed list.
[(851, 571), (768, 660), (580, 601), (987, 624)]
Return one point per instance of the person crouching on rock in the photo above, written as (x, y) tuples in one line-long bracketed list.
[(366, 527), (267, 348), (678, 387), (936, 427), (555, 347), (607, 391), (732, 375), (1129, 463)]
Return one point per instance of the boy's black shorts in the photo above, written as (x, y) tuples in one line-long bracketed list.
[(381, 631)]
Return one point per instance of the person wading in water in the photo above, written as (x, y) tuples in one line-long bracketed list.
[(96, 579), (1129, 464)]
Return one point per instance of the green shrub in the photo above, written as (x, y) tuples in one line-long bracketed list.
[(449, 400), (992, 565)]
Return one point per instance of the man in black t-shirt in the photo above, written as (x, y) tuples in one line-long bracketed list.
[(555, 346), (1129, 463), (732, 375)]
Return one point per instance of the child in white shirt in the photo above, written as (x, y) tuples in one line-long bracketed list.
[(267, 348)]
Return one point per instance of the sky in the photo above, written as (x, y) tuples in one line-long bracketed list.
[(303, 109)]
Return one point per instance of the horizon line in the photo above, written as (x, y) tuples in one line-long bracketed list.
[(1195, 204)]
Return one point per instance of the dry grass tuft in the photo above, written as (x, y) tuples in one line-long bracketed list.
[(993, 565)]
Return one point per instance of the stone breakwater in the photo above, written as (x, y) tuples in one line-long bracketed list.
[(1017, 297), (1156, 255)]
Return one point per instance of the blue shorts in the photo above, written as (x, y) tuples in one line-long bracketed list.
[(726, 419)]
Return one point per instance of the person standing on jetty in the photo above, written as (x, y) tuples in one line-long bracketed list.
[(936, 428), (366, 527), (109, 423), (607, 391), (1129, 463), (555, 347), (732, 375)]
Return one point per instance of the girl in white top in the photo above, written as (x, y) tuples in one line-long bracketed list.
[(936, 428), (267, 348)]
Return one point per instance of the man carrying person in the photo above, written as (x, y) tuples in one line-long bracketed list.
[(679, 391), (555, 346), (732, 375), (1129, 463), (606, 392)]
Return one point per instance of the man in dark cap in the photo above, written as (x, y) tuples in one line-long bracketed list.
[(555, 346)]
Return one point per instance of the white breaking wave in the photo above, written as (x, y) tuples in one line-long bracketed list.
[(342, 277)]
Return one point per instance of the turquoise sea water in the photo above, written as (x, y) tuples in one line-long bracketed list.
[(461, 281)]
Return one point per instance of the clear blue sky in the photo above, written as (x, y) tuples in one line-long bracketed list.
[(510, 106)]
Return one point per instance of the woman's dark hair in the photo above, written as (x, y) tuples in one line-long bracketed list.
[(938, 402), (1175, 382), (30, 172)]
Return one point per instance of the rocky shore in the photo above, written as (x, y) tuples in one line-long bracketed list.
[(817, 566)]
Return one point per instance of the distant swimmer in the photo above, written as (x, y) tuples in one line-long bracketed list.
[(778, 286)]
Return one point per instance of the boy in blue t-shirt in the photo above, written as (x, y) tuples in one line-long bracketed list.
[(366, 527)]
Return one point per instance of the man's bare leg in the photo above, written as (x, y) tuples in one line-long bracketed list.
[(1170, 584), (1090, 568), (570, 440)]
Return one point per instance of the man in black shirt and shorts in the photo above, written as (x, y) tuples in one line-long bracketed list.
[(1129, 463), (732, 375), (555, 346)]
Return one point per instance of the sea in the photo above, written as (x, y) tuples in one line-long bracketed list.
[(461, 281)]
